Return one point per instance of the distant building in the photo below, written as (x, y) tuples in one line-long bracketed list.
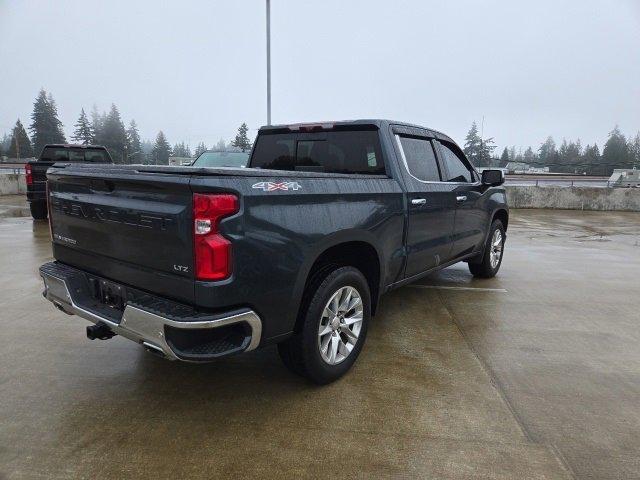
[(178, 161), (622, 177)]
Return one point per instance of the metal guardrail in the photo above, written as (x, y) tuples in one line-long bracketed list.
[(12, 170), (565, 183)]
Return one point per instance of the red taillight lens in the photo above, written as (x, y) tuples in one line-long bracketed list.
[(212, 252), (28, 174)]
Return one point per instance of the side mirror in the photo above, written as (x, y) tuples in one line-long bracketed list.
[(492, 178)]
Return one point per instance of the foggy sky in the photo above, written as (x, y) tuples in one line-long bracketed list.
[(196, 70)]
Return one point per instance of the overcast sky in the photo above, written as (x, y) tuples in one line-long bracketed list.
[(196, 69)]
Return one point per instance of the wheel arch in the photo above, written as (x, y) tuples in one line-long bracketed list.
[(358, 251), (501, 214)]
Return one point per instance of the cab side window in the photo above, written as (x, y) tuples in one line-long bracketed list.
[(457, 168)]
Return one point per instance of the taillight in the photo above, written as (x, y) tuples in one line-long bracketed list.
[(28, 174), (212, 251)]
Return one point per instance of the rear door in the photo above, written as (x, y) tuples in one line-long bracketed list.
[(430, 203), (470, 217)]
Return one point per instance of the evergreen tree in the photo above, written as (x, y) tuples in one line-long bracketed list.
[(547, 153), (504, 158), (161, 150), (113, 135), (97, 121), (512, 154), (5, 144), (478, 151), (569, 157), (45, 126), (634, 151), (181, 150), (134, 146), (529, 157), (20, 146), (486, 152), (616, 152), (199, 149), (473, 146), (147, 151), (83, 132), (242, 140), (222, 146), (592, 161)]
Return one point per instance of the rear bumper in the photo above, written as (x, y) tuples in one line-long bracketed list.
[(160, 325), (36, 195)]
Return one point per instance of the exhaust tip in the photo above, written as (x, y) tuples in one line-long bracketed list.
[(155, 350)]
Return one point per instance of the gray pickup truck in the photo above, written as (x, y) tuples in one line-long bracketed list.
[(294, 250)]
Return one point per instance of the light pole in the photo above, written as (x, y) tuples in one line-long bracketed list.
[(268, 62)]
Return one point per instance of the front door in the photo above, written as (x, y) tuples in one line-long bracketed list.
[(471, 218), (431, 204)]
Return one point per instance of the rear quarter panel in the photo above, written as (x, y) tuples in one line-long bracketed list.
[(277, 235)]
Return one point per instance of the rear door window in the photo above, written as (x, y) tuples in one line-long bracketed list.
[(350, 152), (420, 158)]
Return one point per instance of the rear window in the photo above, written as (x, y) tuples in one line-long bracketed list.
[(52, 154), (96, 156), (58, 154), (354, 152)]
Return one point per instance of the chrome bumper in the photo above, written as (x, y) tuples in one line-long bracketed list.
[(142, 326)]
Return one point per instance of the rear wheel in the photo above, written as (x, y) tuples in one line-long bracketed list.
[(491, 260), (38, 210), (334, 327)]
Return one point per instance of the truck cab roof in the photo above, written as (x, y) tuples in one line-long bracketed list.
[(74, 145), (347, 124)]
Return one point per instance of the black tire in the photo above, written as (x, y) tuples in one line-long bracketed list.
[(482, 268), (38, 210), (301, 353)]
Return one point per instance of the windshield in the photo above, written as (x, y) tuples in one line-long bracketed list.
[(222, 159)]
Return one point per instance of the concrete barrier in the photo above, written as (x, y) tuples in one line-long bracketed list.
[(519, 196), (574, 198), (12, 184)]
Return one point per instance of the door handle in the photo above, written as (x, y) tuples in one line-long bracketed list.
[(418, 201), (461, 198)]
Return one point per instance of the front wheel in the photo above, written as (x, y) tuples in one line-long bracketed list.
[(336, 314), (489, 264)]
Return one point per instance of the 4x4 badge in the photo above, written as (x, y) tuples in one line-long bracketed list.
[(273, 186)]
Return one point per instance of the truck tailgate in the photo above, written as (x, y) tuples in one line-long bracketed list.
[(129, 226)]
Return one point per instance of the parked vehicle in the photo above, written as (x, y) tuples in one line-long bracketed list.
[(296, 250), (36, 170), (216, 158)]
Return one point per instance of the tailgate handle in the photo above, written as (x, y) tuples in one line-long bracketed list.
[(418, 201)]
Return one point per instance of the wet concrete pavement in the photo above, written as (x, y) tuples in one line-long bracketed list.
[(533, 374)]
